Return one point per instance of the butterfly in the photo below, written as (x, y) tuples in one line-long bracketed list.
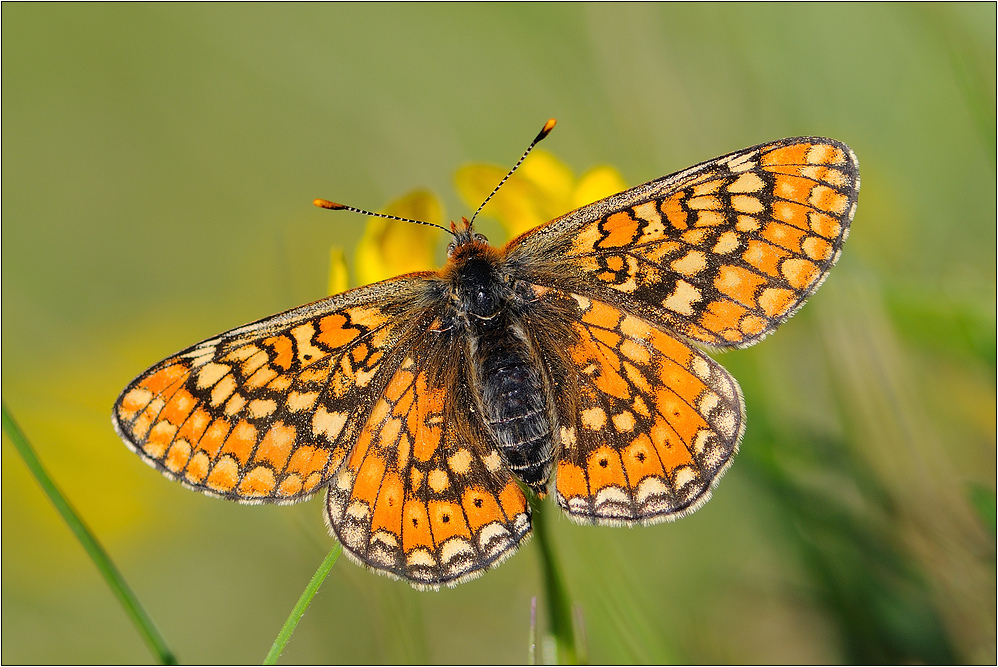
[(427, 406)]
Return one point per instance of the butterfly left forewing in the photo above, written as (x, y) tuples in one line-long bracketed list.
[(266, 412), (648, 424)]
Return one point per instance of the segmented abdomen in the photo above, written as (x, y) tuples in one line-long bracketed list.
[(515, 405)]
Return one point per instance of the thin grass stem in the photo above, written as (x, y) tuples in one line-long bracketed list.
[(90, 544), (560, 622), (299, 609)]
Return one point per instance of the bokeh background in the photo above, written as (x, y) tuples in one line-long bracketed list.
[(159, 163)]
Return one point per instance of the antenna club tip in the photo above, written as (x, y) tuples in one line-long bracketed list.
[(548, 126), (325, 203)]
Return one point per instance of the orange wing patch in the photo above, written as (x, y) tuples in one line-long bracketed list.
[(416, 498), (654, 425)]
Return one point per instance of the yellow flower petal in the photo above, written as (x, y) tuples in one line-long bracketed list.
[(550, 175), (597, 183), (539, 191), (392, 247), (339, 280)]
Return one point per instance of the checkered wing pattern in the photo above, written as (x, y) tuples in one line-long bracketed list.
[(267, 412), (720, 253), (425, 494), (648, 424)]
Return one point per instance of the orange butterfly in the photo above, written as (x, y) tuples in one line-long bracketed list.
[(425, 403)]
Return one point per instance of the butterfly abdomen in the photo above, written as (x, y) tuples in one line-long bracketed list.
[(514, 403), (509, 383)]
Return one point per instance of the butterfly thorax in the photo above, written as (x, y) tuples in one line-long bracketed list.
[(502, 361)]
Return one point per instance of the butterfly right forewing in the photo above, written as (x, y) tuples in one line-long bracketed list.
[(721, 253)]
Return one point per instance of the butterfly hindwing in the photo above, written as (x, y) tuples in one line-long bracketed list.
[(720, 253), (652, 423), (425, 494)]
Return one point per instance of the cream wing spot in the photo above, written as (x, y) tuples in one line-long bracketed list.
[(460, 461), (358, 510), (746, 204), (235, 404), (682, 298), (746, 223), (420, 558), (684, 476), (569, 437), (624, 422), (211, 373), (438, 480), (223, 389), (701, 368), (328, 423), (748, 182), (690, 264), (259, 408), (726, 242), (593, 418), (299, 401)]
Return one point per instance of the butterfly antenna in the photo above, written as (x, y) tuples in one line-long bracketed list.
[(333, 206), (545, 131)]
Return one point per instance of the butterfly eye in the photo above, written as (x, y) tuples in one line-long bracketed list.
[(481, 237), (450, 249)]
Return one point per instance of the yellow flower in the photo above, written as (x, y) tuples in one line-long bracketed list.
[(392, 247), (542, 189)]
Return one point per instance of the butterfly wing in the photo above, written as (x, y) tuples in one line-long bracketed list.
[(721, 253), (352, 388), (648, 423), (266, 412), (424, 495)]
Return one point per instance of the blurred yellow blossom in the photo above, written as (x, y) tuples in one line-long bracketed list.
[(542, 189), (392, 247), (339, 278)]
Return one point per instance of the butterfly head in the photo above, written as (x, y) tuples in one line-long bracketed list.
[(465, 238)]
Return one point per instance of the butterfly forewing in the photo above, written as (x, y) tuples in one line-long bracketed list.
[(720, 253), (266, 412)]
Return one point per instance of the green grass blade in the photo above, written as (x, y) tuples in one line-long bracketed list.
[(93, 548), (560, 621), (299, 610)]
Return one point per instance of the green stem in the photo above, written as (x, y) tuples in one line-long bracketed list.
[(558, 606), (299, 610), (93, 548)]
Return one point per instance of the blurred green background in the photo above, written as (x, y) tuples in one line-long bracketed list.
[(159, 163)]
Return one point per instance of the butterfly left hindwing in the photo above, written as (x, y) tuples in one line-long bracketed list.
[(424, 495)]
